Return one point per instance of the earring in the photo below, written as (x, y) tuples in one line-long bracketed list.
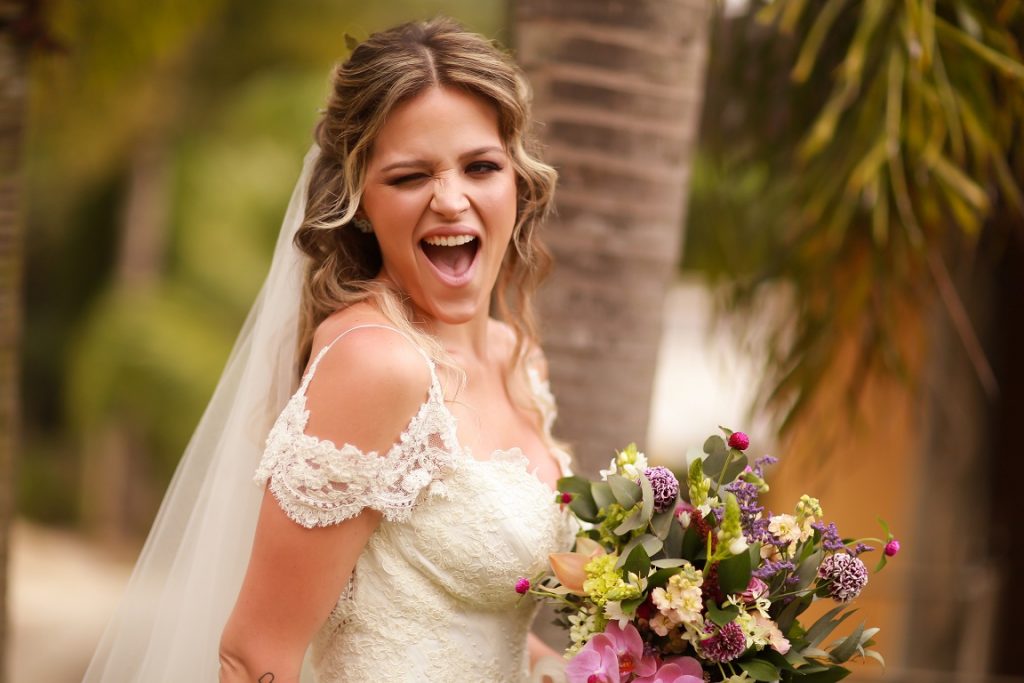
[(362, 224)]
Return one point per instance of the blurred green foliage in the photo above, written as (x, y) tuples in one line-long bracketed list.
[(851, 153), (223, 94)]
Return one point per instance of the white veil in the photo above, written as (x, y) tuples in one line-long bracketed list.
[(168, 625)]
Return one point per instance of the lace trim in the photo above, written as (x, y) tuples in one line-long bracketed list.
[(317, 483)]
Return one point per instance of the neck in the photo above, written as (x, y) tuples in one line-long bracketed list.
[(466, 340)]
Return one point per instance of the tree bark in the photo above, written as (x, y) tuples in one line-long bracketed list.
[(13, 85), (618, 89)]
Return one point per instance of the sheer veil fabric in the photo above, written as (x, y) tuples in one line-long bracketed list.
[(168, 624)]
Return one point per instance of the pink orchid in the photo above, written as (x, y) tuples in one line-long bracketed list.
[(597, 662), (629, 648), (569, 567), (621, 649), (679, 670)]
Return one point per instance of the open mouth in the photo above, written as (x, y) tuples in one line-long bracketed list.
[(451, 255)]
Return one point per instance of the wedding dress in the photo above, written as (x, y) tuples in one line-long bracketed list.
[(432, 597)]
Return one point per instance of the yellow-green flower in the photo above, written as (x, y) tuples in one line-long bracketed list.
[(604, 582), (697, 484)]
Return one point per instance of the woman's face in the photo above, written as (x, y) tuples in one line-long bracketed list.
[(441, 195)]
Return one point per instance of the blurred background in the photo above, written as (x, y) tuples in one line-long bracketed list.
[(797, 218)]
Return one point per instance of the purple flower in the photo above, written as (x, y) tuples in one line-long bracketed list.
[(846, 575), (830, 539), (522, 585), (892, 547), (770, 569), (665, 485), (725, 645)]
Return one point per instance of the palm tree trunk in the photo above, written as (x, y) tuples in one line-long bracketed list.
[(618, 91), (13, 85)]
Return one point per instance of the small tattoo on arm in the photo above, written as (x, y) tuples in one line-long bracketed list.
[(266, 678)]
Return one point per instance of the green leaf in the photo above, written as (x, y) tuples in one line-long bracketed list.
[(637, 561), (647, 495), (848, 646), (825, 624), (721, 616), (634, 521), (791, 611), (661, 523), (582, 504), (808, 570), (629, 606), (717, 455), (829, 675), (649, 543), (692, 543), (668, 562), (738, 461), (659, 578), (602, 494), (674, 541), (626, 492), (734, 573), (760, 670)]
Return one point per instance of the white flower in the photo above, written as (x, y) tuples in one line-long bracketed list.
[(680, 601), (737, 545), (613, 610), (785, 528), (629, 463)]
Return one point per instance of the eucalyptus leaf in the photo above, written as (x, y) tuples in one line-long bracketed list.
[(668, 562), (808, 570), (661, 523), (738, 461), (602, 494), (714, 444), (650, 544), (582, 504), (634, 521), (626, 492), (647, 495)]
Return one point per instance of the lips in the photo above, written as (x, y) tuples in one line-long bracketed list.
[(452, 256)]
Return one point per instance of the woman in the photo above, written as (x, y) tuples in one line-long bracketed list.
[(409, 479)]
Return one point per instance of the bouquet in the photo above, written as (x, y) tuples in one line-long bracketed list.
[(687, 582)]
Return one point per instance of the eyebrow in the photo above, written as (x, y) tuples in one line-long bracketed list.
[(419, 163)]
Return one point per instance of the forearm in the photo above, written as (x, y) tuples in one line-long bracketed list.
[(540, 650)]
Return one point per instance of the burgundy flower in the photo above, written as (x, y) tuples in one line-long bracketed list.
[(739, 441), (665, 485), (892, 547), (725, 645), (522, 585), (846, 575)]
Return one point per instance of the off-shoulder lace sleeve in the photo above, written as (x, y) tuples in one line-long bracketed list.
[(318, 483)]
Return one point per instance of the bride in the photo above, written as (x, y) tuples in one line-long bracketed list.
[(407, 481)]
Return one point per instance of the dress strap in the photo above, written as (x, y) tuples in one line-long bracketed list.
[(307, 378)]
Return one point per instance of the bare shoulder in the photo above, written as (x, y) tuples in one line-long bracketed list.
[(368, 385)]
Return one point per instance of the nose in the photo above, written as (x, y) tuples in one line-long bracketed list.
[(449, 199)]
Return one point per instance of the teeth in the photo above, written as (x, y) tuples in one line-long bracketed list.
[(449, 241)]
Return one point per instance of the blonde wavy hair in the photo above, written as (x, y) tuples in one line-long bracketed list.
[(382, 72)]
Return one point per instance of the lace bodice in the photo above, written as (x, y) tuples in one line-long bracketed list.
[(432, 595)]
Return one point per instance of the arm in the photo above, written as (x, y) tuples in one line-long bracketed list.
[(364, 392)]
